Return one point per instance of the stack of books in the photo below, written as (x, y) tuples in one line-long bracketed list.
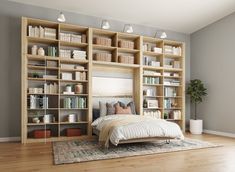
[(65, 53), (80, 76), (79, 54), (38, 102)]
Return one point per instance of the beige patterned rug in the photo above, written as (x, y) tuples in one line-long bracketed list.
[(81, 151)]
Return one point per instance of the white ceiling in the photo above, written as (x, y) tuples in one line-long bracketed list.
[(185, 16)]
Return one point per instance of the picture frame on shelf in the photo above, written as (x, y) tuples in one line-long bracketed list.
[(151, 104)]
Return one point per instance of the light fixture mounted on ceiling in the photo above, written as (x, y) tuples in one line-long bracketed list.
[(128, 28), (61, 18), (105, 24), (162, 36)]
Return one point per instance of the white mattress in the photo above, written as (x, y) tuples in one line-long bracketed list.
[(146, 127)]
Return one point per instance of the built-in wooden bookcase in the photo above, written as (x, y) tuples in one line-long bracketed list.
[(71, 54)]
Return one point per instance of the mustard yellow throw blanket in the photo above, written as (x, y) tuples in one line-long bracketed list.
[(108, 128)]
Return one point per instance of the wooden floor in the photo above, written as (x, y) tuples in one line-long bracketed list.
[(38, 157)]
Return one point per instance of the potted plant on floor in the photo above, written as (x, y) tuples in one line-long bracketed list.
[(196, 91)]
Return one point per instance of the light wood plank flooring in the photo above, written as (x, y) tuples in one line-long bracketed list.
[(38, 157)]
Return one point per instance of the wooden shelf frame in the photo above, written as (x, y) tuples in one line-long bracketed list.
[(137, 70)]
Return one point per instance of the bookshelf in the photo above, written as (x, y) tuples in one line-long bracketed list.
[(59, 79)]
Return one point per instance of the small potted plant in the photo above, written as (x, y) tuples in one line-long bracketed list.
[(196, 91)]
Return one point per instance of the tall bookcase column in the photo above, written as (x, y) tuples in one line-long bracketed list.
[(140, 78), (90, 54), (174, 82)]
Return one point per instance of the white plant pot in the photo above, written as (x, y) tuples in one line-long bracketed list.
[(196, 126)]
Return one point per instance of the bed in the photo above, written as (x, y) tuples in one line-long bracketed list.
[(127, 128)]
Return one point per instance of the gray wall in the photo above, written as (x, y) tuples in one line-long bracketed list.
[(10, 45), (213, 60)]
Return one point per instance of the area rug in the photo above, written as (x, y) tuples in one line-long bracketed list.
[(81, 151)]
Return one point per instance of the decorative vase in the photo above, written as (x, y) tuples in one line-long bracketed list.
[(69, 88), (41, 52), (78, 88), (34, 49), (196, 126)]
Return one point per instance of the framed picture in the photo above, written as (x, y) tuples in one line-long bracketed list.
[(152, 104)]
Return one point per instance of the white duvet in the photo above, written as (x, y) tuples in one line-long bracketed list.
[(144, 128)]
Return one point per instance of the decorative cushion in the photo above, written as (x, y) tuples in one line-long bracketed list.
[(121, 110), (131, 104), (103, 108), (110, 108)]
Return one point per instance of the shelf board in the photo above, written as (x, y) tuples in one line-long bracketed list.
[(176, 97), (153, 75), (178, 77), (103, 47), (40, 58), (70, 60), (36, 124), (73, 44), (152, 67), (175, 108), (44, 109), (73, 94), (42, 40), (73, 108), (127, 50), (73, 70), (115, 64), (159, 85), (172, 56), (172, 85), (153, 96), (42, 67), (151, 53), (76, 81), (43, 94), (152, 40), (173, 69), (42, 79), (79, 122), (152, 108)]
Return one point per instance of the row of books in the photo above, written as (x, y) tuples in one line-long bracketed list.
[(38, 102), (75, 102), (156, 114), (172, 50), (149, 92), (168, 103), (170, 92), (41, 32), (151, 80), (69, 37), (52, 51), (174, 114), (76, 54)]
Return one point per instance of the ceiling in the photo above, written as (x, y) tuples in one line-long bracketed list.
[(186, 16)]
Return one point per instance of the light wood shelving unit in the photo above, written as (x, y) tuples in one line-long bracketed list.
[(59, 126)]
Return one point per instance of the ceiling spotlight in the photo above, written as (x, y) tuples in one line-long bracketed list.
[(61, 17), (128, 28), (105, 24), (163, 35)]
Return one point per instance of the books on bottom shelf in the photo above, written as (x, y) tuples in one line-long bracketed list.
[(74, 102), (156, 114), (50, 88)]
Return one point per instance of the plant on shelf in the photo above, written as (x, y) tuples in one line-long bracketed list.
[(35, 75), (197, 92)]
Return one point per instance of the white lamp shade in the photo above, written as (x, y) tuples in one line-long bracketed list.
[(105, 24), (163, 35), (61, 17), (128, 29)]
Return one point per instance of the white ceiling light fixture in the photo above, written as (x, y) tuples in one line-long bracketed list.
[(163, 35), (61, 18), (128, 28), (105, 24)]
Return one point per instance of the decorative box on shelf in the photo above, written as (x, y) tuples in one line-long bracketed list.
[(70, 132), (37, 134)]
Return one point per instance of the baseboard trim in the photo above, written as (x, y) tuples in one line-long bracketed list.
[(10, 139), (219, 133)]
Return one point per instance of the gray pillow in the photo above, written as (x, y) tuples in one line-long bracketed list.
[(110, 108), (103, 108)]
